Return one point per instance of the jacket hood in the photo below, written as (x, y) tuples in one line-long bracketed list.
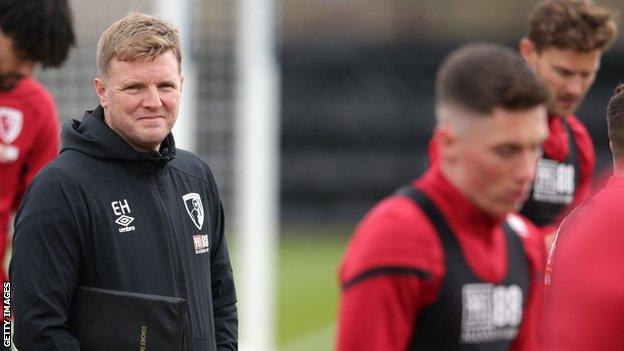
[(93, 137)]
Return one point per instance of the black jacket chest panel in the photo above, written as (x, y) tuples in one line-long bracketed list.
[(152, 232), (105, 215), (470, 314)]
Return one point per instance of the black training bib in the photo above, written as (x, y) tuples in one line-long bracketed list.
[(554, 186), (470, 314)]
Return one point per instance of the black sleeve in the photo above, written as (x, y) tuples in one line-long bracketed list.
[(223, 293), (44, 265)]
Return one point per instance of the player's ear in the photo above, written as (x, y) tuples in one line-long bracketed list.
[(447, 137), (100, 89), (611, 146), (616, 161), (528, 50), (446, 133)]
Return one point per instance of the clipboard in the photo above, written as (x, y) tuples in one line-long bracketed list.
[(105, 320)]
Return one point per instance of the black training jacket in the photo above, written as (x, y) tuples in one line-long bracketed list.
[(105, 215)]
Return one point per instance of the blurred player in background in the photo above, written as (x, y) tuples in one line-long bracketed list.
[(31, 32), (584, 309), (443, 264), (564, 44)]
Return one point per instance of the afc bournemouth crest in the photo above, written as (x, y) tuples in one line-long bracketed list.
[(10, 124), (194, 208)]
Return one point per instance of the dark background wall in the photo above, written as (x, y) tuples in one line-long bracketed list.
[(357, 116)]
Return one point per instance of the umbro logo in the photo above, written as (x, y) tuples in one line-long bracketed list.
[(124, 220), (121, 209)]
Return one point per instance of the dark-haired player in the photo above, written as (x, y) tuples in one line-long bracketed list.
[(444, 264), (31, 32), (584, 306), (564, 45)]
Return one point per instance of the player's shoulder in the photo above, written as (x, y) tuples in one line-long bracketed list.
[(583, 142), (32, 90), (58, 174), (395, 233), (63, 168), (396, 217), (605, 205), (187, 159), (34, 100), (194, 166), (187, 162), (577, 126), (530, 235)]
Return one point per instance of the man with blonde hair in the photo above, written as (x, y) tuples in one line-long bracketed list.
[(113, 211)]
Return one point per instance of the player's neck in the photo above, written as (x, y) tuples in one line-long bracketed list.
[(618, 164)]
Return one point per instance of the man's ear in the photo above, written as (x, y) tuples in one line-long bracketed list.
[(611, 146), (100, 89), (181, 82), (529, 51), (448, 141)]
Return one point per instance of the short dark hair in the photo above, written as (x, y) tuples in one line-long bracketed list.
[(578, 25), (42, 30), (480, 77), (615, 121)]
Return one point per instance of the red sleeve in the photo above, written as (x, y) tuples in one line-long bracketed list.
[(533, 243), (586, 158), (388, 273), (585, 309), (45, 142), (378, 313)]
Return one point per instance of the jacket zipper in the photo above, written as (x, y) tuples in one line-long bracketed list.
[(176, 261)]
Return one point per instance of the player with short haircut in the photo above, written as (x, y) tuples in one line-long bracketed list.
[(444, 264), (615, 124), (31, 32), (136, 40), (564, 45), (584, 308)]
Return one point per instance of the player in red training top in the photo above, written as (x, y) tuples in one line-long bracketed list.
[(584, 309), (564, 44), (31, 32), (444, 264)]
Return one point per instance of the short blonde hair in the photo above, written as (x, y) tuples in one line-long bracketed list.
[(137, 36)]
